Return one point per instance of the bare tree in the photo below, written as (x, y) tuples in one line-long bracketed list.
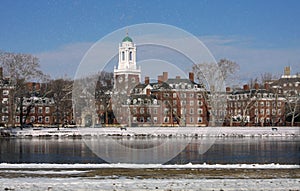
[(229, 70), (212, 77), (21, 68), (61, 91), (292, 106)]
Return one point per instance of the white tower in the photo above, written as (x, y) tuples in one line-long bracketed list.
[(127, 74)]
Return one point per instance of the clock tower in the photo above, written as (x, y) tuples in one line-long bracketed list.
[(126, 75)]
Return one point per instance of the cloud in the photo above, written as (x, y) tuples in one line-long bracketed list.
[(64, 60), (253, 61)]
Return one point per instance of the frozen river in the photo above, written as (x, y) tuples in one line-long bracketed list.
[(282, 150), (224, 163)]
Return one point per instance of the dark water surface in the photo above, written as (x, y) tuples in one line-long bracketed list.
[(282, 150)]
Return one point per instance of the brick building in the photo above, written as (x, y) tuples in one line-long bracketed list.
[(167, 102), (254, 107), (6, 100)]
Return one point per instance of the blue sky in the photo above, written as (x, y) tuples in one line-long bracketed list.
[(256, 34)]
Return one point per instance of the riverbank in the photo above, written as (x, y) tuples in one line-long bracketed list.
[(154, 132), (148, 177)]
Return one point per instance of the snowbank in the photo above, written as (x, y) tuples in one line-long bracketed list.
[(114, 183), (158, 132), (145, 166)]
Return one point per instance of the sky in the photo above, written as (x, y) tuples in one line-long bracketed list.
[(261, 36)]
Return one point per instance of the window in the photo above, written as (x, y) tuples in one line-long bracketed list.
[(200, 102), (183, 111), (262, 103), (40, 110), (5, 92), (123, 55), (279, 111), (199, 111), (17, 119), (155, 119), (130, 55), (142, 110), (175, 110), (32, 110), (278, 104), (262, 111), (199, 119), (192, 120), (174, 102), (4, 118), (174, 95), (40, 119), (191, 103), (5, 109), (192, 111), (268, 111), (32, 119), (155, 111), (142, 119), (134, 119), (268, 104), (166, 111), (134, 111), (166, 119), (5, 101), (24, 109)]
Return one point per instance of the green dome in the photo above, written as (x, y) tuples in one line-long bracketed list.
[(127, 39)]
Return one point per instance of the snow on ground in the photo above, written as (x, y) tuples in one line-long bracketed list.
[(83, 184), (161, 131), (145, 166)]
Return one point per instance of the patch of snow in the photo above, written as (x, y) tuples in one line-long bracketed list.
[(82, 184), (145, 166)]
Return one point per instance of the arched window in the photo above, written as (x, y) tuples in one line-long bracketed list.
[(123, 55), (130, 55)]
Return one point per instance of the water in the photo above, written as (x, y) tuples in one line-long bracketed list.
[(282, 150)]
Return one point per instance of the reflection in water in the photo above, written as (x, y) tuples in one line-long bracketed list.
[(224, 151)]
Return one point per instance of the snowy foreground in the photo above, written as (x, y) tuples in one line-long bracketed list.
[(145, 166), (157, 132), (86, 184), (83, 177)]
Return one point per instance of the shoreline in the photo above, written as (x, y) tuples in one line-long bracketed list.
[(154, 132)]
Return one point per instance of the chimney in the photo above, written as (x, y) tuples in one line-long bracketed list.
[(228, 89), (267, 86), (287, 71), (148, 92), (165, 76), (246, 87), (159, 79), (147, 81), (1, 73), (177, 77), (256, 86), (191, 76)]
